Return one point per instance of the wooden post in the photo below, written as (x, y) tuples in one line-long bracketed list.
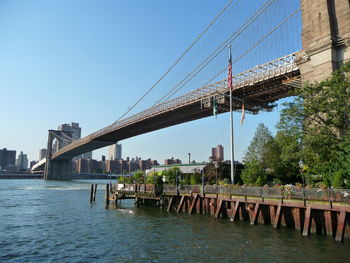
[(307, 221), (95, 192), (235, 210), (255, 215), (107, 194), (218, 209), (277, 217), (341, 226), (297, 218), (180, 204), (170, 203), (91, 193), (193, 203)]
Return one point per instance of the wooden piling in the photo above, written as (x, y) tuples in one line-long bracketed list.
[(277, 217), (235, 210), (255, 214), (218, 210), (170, 203), (341, 226), (95, 192), (307, 221), (107, 194), (180, 204), (91, 193), (193, 203)]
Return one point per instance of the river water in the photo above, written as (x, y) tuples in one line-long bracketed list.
[(54, 222)]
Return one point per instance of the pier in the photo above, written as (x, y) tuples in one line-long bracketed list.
[(320, 211)]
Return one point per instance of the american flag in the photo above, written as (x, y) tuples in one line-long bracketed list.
[(229, 77)]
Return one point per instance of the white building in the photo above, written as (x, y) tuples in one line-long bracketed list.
[(22, 162), (42, 153), (115, 152)]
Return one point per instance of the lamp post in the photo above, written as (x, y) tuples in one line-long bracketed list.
[(301, 166), (177, 182), (216, 177), (202, 172)]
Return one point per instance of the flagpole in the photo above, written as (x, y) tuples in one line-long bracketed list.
[(231, 126), (232, 142)]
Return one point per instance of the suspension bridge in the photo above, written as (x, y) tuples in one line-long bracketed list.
[(276, 45)]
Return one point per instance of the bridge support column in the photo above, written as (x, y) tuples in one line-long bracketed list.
[(325, 38), (60, 169)]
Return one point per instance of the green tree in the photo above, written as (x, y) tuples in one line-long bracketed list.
[(318, 119), (170, 174), (257, 146), (254, 174), (154, 178), (281, 157), (139, 176)]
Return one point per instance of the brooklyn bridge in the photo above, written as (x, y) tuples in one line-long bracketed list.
[(276, 47)]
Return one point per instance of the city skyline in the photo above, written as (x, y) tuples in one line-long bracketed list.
[(95, 72)]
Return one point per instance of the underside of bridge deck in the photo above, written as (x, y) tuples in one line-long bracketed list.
[(258, 96)]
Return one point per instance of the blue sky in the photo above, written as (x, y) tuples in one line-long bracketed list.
[(88, 61)]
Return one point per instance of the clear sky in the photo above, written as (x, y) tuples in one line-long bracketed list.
[(88, 61)]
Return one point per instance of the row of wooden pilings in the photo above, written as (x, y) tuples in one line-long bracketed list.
[(331, 219)]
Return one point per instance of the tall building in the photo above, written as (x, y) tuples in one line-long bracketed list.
[(115, 152), (42, 153), (7, 159), (22, 162), (217, 153)]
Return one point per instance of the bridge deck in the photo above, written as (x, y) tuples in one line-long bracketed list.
[(259, 87)]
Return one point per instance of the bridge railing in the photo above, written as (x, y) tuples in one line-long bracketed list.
[(259, 73), (283, 192)]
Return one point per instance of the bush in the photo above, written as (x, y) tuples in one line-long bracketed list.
[(195, 179), (139, 176), (254, 174)]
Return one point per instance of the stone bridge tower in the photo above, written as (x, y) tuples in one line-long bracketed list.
[(325, 37)]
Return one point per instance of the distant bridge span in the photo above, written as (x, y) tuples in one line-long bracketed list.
[(258, 87)]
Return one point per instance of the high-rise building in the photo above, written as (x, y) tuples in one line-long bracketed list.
[(115, 152), (7, 159), (22, 162), (217, 153), (42, 153)]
